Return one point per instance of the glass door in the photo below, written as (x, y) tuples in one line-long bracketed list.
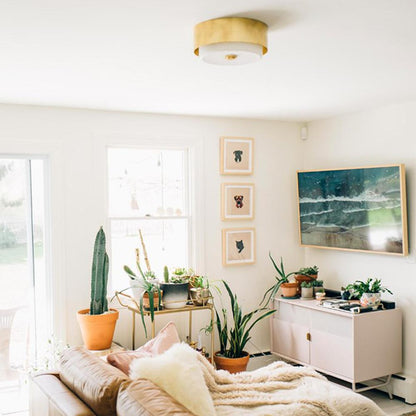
[(25, 321)]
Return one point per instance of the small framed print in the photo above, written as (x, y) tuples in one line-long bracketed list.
[(237, 201), (236, 156), (238, 246)]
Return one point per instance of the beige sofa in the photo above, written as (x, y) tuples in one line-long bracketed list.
[(87, 385)]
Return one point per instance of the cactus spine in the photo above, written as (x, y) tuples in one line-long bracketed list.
[(99, 276), (166, 274)]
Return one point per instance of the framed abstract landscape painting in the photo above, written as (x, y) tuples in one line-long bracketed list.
[(354, 209)]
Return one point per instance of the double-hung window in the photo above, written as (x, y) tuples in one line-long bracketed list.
[(148, 191)]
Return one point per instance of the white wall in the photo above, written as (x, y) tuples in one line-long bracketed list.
[(76, 141), (381, 136)]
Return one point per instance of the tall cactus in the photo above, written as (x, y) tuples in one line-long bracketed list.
[(99, 276)]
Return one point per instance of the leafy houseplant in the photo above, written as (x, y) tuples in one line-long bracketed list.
[(98, 323), (317, 284), (151, 291), (234, 336), (369, 292), (175, 287), (282, 280)]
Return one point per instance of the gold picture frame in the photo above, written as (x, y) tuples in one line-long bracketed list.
[(354, 209), (236, 155), (238, 246), (237, 201)]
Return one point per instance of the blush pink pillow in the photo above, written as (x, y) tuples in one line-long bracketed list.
[(166, 337)]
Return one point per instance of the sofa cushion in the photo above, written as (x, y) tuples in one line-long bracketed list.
[(166, 337), (144, 398), (94, 381), (59, 399)]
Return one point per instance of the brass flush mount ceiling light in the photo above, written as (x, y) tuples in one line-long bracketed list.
[(230, 40)]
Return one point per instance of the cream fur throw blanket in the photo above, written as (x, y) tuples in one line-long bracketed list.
[(276, 390)]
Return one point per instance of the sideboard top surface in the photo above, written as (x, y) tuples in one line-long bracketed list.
[(315, 305)]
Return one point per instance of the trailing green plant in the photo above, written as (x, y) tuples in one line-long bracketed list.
[(317, 283), (306, 284), (308, 271), (282, 277), (233, 339), (99, 276), (371, 285), (148, 286)]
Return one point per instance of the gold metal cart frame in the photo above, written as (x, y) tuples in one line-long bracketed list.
[(132, 305)]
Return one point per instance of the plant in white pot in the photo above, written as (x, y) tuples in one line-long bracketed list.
[(176, 287), (368, 292), (306, 289), (98, 322), (146, 289)]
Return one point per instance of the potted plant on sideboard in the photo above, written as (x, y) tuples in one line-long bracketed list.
[(307, 274), (368, 292), (306, 290), (282, 281), (233, 339), (98, 323)]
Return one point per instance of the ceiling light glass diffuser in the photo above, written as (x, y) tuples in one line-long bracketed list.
[(230, 40)]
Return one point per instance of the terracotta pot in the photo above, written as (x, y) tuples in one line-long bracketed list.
[(97, 330), (304, 278), (146, 302), (289, 289), (232, 365)]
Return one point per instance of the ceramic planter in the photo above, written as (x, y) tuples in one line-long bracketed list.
[(175, 295), (306, 292), (232, 365), (289, 289), (97, 330), (370, 300), (199, 296)]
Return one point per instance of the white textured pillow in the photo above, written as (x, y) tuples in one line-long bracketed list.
[(178, 373)]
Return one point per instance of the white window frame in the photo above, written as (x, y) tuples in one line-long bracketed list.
[(194, 182)]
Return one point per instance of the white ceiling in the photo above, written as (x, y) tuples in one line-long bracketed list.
[(326, 57)]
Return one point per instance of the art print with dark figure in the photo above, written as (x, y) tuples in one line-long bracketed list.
[(239, 201), (240, 245), (237, 155)]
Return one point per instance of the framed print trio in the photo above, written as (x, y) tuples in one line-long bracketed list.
[(237, 201), (236, 157)]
